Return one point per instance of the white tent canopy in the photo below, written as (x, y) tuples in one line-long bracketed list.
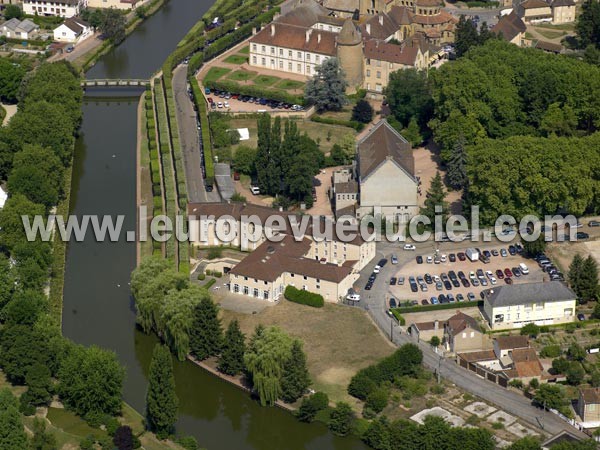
[(3, 197)]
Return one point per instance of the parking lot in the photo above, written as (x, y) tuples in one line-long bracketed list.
[(434, 280), (232, 102)]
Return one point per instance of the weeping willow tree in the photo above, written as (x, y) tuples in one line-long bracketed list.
[(269, 349)]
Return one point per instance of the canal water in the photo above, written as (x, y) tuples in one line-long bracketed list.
[(98, 308)]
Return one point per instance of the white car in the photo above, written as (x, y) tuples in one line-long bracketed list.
[(394, 259), (443, 258), (353, 297), (255, 190), (436, 279), (493, 280), (409, 247), (376, 269), (226, 104), (219, 105), (524, 268), (430, 260), (489, 274)]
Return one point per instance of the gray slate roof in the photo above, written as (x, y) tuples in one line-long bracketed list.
[(519, 294), (224, 181)]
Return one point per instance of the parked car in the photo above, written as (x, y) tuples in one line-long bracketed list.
[(495, 252), (508, 272), (461, 256), (448, 285), (409, 247), (400, 281), (368, 286), (424, 302), (581, 235), (255, 190), (503, 253), (460, 298), (465, 282), (508, 280), (516, 272), (524, 269), (419, 259), (451, 298), (580, 317), (394, 259), (382, 262), (452, 257), (429, 259), (439, 286), (475, 282), (487, 254), (219, 104), (443, 258), (442, 298), (480, 274), (393, 303), (428, 279), (471, 297), (512, 250), (393, 281), (434, 301), (594, 223)]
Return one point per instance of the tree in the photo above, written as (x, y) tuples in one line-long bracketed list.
[(206, 335), (12, 434), (466, 36), (409, 96), (377, 399), (11, 222), (243, 160), (575, 374), (526, 443), (13, 12), (412, 132), (25, 308), (576, 352), (39, 385), (311, 405), (362, 111), (435, 341), (587, 285), (295, 378), (574, 274), (588, 24), (123, 438), (91, 381), (560, 365), (21, 347), (596, 312), (559, 120), (535, 247), (378, 435), (338, 155), (457, 165), (531, 330), (550, 396), (436, 196), (161, 400), (42, 440), (11, 75), (269, 349), (326, 89), (231, 360), (341, 419), (112, 25)]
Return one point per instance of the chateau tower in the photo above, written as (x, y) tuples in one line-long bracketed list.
[(350, 55)]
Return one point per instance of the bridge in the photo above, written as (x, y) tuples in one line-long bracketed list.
[(114, 82)]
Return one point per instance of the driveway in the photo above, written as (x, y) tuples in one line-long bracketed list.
[(375, 302), (190, 141)]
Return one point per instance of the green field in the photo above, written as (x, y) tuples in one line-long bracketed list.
[(215, 73), (265, 80), (289, 84), (245, 50), (70, 423), (241, 75), (236, 59)]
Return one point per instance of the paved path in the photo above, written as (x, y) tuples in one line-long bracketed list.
[(190, 141), (375, 302)]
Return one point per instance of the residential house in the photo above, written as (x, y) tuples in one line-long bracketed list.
[(514, 306), (424, 331), (511, 28), (60, 8), (563, 11), (588, 406), (504, 345), (534, 11), (17, 29), (525, 365), (72, 30), (549, 47), (462, 333)]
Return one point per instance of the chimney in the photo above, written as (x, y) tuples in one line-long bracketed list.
[(272, 29), (368, 28), (381, 19), (319, 38), (436, 325)]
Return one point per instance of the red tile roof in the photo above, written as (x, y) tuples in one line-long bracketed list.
[(383, 51)]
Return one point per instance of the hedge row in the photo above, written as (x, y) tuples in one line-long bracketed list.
[(254, 91), (401, 320), (227, 27), (410, 309), (206, 141), (303, 297), (345, 123)]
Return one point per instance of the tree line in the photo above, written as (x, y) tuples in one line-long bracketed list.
[(185, 317), (36, 150)]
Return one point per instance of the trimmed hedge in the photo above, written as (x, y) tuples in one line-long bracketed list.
[(456, 305), (254, 91), (303, 297), (345, 123), (206, 140), (401, 320)]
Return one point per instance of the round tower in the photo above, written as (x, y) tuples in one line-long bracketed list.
[(428, 7), (350, 55)]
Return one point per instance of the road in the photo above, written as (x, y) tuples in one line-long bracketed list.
[(488, 15), (375, 302), (190, 141)]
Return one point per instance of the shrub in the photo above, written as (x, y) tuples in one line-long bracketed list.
[(531, 329), (303, 297), (401, 320), (201, 276), (311, 405), (551, 351), (345, 123), (210, 282), (377, 399), (217, 274), (516, 383), (214, 253)]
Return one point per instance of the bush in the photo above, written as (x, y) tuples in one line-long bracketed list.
[(401, 320), (377, 399), (531, 330), (217, 274), (303, 297), (311, 405), (253, 91), (516, 383), (345, 123), (440, 306), (362, 112), (214, 253), (551, 351)]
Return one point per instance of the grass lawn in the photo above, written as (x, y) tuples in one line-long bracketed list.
[(338, 340), (214, 73), (236, 59), (549, 34), (265, 80), (241, 75), (289, 84), (245, 50), (562, 26), (70, 423), (344, 114)]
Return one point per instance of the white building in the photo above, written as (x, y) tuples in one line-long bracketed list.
[(16, 29), (72, 30), (514, 306), (60, 8), (118, 4)]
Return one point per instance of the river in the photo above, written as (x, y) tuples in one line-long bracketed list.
[(98, 308)]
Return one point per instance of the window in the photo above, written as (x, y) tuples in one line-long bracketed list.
[(305, 277), (254, 47), (263, 49), (281, 64), (317, 58), (318, 287), (290, 67), (266, 295), (378, 74), (280, 52), (308, 69), (264, 61), (289, 53), (256, 293), (245, 278), (254, 60), (245, 290), (292, 275), (368, 72), (299, 68), (299, 55), (308, 56), (236, 288), (272, 50)]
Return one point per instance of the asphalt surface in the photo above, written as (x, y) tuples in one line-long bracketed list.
[(190, 141), (488, 15), (375, 301)]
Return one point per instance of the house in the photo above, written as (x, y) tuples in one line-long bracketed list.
[(564, 437), (72, 30), (563, 11), (504, 345), (511, 28), (462, 333), (549, 47), (588, 406), (525, 365), (60, 8), (534, 11), (424, 331), (514, 306), (17, 29), (117, 4)]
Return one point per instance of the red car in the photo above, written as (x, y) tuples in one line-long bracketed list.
[(461, 256), (235, 96), (500, 274), (210, 100), (508, 280), (508, 273)]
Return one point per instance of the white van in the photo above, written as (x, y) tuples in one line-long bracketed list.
[(255, 190), (524, 268), (353, 297)]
